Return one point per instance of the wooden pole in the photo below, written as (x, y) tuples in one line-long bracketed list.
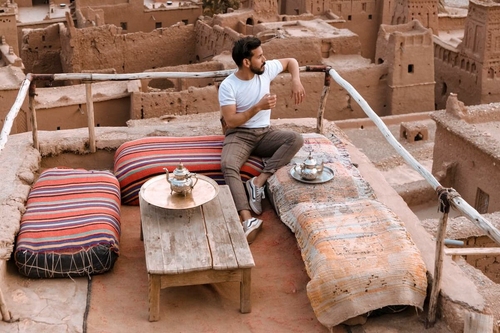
[(138, 76), (14, 110), (458, 203), (3, 309), (438, 270), (34, 123), (444, 207), (322, 102), (90, 116)]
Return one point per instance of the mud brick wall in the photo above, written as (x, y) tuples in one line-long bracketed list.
[(489, 265), (106, 47)]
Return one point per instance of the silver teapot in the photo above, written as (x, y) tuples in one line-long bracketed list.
[(182, 181), (309, 169)]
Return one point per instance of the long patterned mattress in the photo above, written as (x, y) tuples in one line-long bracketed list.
[(71, 226), (357, 252), (138, 160)]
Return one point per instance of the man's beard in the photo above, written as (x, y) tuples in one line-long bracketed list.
[(258, 71)]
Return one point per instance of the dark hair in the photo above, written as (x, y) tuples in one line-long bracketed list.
[(243, 49)]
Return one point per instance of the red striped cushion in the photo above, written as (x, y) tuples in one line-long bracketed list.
[(138, 160), (71, 226)]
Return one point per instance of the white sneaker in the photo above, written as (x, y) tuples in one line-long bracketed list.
[(251, 227), (256, 194)]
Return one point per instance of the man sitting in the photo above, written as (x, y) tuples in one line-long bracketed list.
[(246, 104)]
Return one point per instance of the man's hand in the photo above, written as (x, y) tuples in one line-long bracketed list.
[(292, 66), (298, 91), (235, 119), (267, 102)]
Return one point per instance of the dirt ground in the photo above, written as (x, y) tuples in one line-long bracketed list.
[(279, 297)]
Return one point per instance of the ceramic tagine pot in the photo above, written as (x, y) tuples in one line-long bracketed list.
[(182, 181), (309, 169)]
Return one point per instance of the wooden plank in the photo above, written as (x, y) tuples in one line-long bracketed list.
[(472, 251), (34, 123), (240, 245), (223, 256), (478, 323), (174, 240), (90, 116), (184, 242), (200, 277)]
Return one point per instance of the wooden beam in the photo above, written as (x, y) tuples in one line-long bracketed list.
[(90, 116), (34, 123), (472, 251), (321, 110)]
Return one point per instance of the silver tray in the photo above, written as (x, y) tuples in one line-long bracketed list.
[(156, 191), (323, 177)]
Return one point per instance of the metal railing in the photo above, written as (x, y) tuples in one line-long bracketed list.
[(448, 197)]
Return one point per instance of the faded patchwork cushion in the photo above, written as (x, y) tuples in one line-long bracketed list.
[(138, 160), (360, 258), (71, 226), (346, 185)]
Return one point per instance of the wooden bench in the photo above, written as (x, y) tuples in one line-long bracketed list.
[(194, 246)]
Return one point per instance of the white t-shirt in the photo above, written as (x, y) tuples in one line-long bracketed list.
[(247, 93)]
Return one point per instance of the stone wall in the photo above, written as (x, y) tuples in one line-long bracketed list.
[(339, 104), (488, 264), (106, 47), (186, 102)]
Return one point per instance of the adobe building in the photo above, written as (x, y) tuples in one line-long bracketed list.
[(410, 78), (8, 26), (99, 38), (135, 15), (363, 18), (467, 152), (100, 49), (467, 60)]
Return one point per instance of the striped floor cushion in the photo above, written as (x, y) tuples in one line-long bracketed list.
[(138, 160), (71, 226)]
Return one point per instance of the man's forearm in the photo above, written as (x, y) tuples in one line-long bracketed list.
[(293, 69), (239, 118)]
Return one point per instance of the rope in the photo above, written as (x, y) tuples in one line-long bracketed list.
[(94, 260)]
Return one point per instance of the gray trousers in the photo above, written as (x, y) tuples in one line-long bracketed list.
[(277, 147)]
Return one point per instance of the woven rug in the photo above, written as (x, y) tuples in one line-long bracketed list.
[(356, 251)]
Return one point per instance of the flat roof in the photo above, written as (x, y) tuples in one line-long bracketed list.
[(40, 13)]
